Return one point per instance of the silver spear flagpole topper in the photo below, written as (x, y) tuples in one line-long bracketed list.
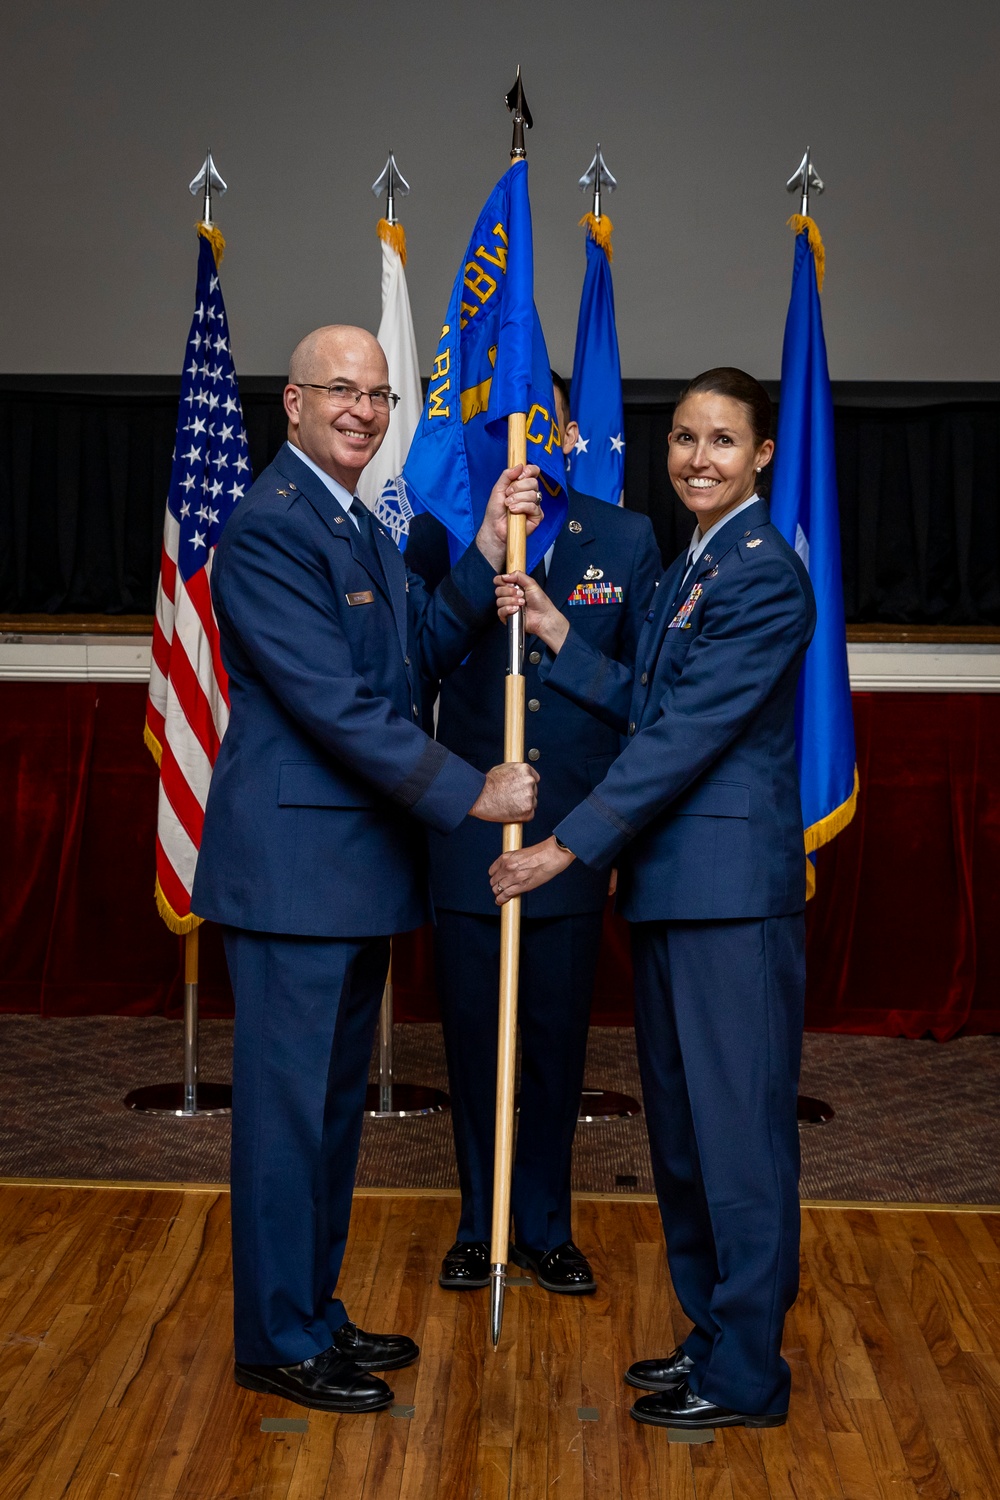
[(518, 106), (597, 176), (393, 184), (805, 177), (207, 181)]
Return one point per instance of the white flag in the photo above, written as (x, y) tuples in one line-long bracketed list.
[(381, 486)]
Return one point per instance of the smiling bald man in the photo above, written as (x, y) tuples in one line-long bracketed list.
[(313, 850)]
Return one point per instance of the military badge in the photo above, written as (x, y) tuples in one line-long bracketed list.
[(593, 572), (597, 593), (682, 619)]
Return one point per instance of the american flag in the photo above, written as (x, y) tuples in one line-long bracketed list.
[(188, 706)]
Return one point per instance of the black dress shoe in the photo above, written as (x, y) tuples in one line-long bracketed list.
[(374, 1351), (327, 1382), (466, 1266), (660, 1374), (564, 1269), (682, 1409)]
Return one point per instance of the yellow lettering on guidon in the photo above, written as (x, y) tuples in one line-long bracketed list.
[(500, 258), (442, 364), (435, 405), (552, 438), (479, 282)]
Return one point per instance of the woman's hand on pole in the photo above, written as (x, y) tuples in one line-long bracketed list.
[(525, 869), (516, 591)]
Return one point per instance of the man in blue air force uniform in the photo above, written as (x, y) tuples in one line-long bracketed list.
[(600, 571), (313, 849)]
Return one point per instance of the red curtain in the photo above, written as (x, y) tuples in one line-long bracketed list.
[(903, 935)]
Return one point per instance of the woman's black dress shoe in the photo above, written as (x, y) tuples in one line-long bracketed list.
[(466, 1266), (564, 1269), (682, 1409), (660, 1374), (327, 1382), (374, 1351)]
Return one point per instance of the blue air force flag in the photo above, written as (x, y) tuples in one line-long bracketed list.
[(597, 463), (804, 508), (490, 361)]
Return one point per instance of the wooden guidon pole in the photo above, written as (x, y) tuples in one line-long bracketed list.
[(510, 914)]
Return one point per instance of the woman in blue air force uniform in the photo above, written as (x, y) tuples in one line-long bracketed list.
[(701, 810)]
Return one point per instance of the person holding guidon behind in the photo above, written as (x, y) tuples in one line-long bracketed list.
[(701, 811)]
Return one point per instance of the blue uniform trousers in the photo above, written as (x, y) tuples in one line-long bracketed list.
[(306, 1010), (719, 1015), (558, 959)]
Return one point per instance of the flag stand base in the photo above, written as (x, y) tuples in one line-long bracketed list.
[(388, 1100), (174, 1099), (813, 1111), (403, 1101), (597, 1105)]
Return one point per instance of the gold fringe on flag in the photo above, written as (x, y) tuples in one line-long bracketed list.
[(394, 235), (818, 834), (181, 925), (152, 744), (599, 231), (800, 222), (213, 234)]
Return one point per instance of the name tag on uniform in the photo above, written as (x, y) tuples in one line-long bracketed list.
[(364, 597)]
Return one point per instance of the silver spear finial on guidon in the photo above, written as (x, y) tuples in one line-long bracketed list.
[(598, 177), (393, 184), (207, 181), (805, 177)]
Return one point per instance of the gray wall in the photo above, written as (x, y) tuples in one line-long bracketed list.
[(703, 109)]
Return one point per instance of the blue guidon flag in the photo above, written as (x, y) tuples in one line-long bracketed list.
[(490, 361), (597, 463), (804, 509), (188, 706)]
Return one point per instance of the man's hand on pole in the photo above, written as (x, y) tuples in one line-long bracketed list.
[(525, 869), (515, 491), (509, 796)]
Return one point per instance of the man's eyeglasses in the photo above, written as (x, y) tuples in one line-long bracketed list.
[(349, 395)]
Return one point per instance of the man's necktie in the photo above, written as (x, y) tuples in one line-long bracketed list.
[(366, 527)]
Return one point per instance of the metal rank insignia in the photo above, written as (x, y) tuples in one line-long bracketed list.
[(593, 572), (597, 593), (682, 619), (755, 543)]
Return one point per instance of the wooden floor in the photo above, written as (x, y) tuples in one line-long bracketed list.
[(116, 1378)]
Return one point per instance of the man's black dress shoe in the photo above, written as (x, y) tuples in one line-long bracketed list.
[(660, 1374), (564, 1269), (374, 1351), (682, 1409), (467, 1265), (327, 1382)]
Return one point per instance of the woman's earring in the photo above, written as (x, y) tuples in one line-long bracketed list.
[(759, 467)]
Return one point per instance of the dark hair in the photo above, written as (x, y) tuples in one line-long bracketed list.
[(741, 387), (561, 385)]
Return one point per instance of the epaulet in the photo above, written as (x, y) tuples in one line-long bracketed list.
[(750, 541)]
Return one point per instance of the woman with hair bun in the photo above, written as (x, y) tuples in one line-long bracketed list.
[(701, 811)]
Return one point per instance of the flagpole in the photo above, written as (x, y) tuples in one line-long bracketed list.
[(185, 1100), (805, 178), (510, 912)]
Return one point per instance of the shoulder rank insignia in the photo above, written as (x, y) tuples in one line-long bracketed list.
[(755, 543), (593, 572), (283, 494), (682, 619), (597, 593)]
